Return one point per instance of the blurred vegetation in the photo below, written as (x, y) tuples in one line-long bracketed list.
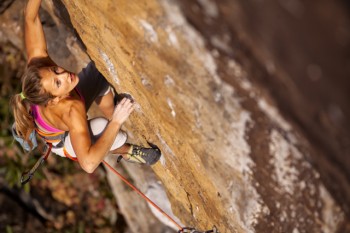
[(12, 65)]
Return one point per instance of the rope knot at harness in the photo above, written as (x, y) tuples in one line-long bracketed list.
[(193, 230)]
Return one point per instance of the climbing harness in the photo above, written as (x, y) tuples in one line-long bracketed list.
[(48, 139), (27, 176)]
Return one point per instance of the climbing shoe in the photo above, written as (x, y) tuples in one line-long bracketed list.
[(139, 154)]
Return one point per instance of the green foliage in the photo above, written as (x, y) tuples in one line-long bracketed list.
[(13, 165), (12, 170), (64, 166), (9, 229)]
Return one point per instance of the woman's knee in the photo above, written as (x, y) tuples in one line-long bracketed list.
[(98, 125)]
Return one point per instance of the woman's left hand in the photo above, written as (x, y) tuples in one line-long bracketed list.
[(122, 111)]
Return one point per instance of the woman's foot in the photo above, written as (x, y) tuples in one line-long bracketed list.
[(139, 154)]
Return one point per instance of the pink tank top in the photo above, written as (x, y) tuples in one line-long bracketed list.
[(40, 122)]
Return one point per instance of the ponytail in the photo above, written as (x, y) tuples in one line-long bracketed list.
[(24, 122)]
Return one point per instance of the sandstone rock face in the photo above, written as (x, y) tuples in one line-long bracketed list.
[(148, 50), (229, 158)]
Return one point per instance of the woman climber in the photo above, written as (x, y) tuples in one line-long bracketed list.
[(54, 102)]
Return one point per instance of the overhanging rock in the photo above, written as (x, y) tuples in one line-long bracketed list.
[(147, 49)]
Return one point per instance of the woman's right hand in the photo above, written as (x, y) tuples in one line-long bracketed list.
[(122, 111)]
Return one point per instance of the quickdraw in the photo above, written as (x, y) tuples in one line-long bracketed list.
[(27, 176), (193, 230)]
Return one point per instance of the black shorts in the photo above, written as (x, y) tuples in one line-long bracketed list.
[(92, 84)]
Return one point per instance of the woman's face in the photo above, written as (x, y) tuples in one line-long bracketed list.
[(58, 81)]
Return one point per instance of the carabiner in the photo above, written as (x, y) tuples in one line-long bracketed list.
[(193, 230)]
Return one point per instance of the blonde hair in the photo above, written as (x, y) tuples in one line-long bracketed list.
[(34, 95)]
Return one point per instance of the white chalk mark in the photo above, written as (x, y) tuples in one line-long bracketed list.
[(150, 33), (110, 66), (170, 104)]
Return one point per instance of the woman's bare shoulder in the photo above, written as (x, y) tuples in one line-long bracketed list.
[(72, 107), (74, 113)]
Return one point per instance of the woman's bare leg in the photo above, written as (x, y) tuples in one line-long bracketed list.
[(106, 104), (123, 150)]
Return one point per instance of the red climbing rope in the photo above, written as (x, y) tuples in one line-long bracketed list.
[(142, 195), (27, 177), (181, 229)]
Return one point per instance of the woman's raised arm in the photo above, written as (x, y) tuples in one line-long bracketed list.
[(34, 37)]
